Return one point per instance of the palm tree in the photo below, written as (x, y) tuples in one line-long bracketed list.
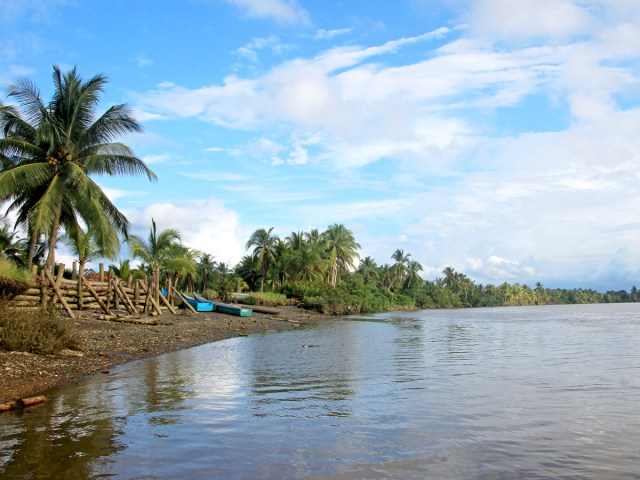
[(308, 264), (263, 244), (450, 279), (156, 251), (50, 151), (83, 245), (368, 269), (413, 274), (400, 267), (206, 266), (341, 249)]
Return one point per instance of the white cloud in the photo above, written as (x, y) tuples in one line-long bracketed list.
[(272, 43), (284, 11), (524, 19), (330, 34), (156, 159), (217, 233)]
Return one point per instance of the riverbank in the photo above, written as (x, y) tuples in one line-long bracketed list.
[(102, 344)]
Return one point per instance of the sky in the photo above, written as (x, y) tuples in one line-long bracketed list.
[(498, 137)]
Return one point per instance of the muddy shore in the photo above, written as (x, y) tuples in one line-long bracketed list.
[(105, 343)]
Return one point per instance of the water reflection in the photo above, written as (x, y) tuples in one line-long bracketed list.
[(495, 393)]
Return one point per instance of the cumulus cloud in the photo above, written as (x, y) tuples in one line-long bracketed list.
[(503, 206), (217, 233)]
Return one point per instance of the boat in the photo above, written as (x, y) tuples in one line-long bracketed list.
[(228, 308), (199, 304), (231, 309)]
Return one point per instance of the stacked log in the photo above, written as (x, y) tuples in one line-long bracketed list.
[(82, 294)]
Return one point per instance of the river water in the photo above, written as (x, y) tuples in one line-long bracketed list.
[(528, 392)]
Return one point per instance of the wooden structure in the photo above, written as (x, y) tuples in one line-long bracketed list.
[(107, 294)]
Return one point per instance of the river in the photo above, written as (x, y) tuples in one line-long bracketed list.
[(525, 392)]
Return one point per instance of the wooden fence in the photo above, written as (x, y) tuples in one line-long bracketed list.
[(108, 294)]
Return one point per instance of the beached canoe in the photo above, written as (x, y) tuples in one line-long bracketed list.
[(231, 309), (199, 305)]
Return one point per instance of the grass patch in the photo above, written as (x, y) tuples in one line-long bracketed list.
[(269, 299), (33, 331)]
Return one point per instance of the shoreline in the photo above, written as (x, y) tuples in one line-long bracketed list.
[(103, 344)]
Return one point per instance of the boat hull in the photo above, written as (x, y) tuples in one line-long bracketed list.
[(199, 305), (233, 310)]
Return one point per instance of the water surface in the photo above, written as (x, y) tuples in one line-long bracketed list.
[(529, 392)]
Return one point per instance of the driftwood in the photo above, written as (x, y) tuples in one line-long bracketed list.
[(23, 403)]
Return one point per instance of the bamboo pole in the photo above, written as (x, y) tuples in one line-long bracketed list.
[(59, 293)]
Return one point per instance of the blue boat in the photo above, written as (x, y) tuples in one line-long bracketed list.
[(228, 308), (199, 305)]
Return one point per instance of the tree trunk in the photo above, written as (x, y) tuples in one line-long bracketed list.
[(33, 241), (53, 239)]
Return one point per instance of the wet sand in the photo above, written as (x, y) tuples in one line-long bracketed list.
[(105, 343)]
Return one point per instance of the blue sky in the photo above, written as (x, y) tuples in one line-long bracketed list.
[(498, 137)]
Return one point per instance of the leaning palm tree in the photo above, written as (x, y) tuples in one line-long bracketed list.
[(341, 250), (50, 151), (263, 244)]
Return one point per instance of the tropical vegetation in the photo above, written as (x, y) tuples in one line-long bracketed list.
[(50, 152)]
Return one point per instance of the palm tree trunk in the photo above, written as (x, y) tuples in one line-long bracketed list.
[(53, 239), (33, 240)]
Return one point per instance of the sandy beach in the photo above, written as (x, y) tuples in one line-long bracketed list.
[(105, 343)]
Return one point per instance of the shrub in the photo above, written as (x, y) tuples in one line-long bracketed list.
[(33, 331), (13, 280)]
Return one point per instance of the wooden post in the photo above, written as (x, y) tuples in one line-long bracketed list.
[(95, 295), (185, 301), (122, 295), (73, 271), (114, 290), (102, 272), (153, 302), (167, 304), (136, 294), (44, 291), (129, 280), (169, 287), (59, 293)]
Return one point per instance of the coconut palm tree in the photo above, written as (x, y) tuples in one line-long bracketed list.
[(368, 269), (263, 244), (156, 251), (400, 267), (412, 278), (341, 250), (50, 151), (84, 247), (206, 267)]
